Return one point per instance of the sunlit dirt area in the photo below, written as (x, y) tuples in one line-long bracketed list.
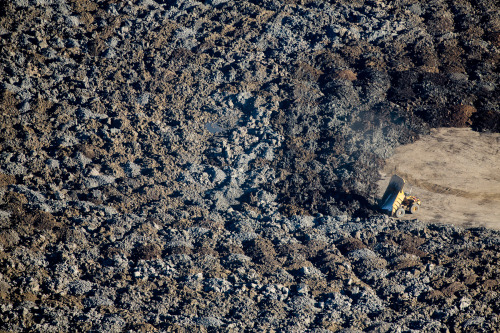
[(455, 172)]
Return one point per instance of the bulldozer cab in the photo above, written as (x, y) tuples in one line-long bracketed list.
[(393, 196)]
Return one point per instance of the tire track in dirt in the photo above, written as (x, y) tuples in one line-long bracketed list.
[(436, 188)]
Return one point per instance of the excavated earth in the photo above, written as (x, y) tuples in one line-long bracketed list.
[(180, 166)]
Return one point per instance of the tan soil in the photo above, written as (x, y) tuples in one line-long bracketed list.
[(456, 174)]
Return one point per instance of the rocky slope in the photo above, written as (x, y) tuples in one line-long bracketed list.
[(212, 166)]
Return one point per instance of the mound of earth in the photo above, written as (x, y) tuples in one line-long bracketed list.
[(213, 165)]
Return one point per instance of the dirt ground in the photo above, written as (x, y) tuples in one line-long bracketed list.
[(455, 172)]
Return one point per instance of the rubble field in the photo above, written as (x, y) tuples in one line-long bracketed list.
[(214, 166)]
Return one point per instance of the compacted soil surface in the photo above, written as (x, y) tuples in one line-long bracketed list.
[(215, 166), (455, 172)]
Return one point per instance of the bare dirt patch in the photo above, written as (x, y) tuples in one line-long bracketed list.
[(455, 172)]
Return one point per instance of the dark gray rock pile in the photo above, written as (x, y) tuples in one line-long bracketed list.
[(212, 165), (161, 272)]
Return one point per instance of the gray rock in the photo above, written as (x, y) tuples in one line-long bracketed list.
[(216, 2), (217, 285), (209, 322), (86, 114), (15, 169), (98, 180), (337, 301), (21, 3), (95, 301), (4, 216), (52, 163), (113, 324), (368, 302), (80, 287), (275, 292), (132, 169)]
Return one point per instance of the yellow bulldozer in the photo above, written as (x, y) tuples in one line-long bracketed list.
[(396, 202)]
